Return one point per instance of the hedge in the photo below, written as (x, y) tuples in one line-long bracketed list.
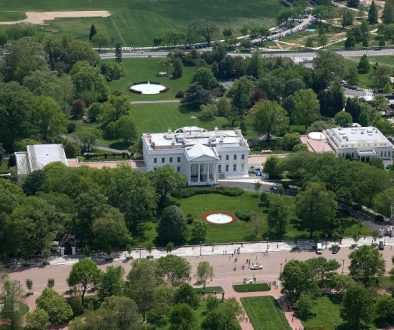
[(251, 287), (226, 191)]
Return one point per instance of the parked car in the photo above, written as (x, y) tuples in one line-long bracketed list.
[(381, 245), (335, 249), (256, 267), (319, 249)]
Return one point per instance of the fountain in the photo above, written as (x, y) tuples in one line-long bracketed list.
[(148, 88)]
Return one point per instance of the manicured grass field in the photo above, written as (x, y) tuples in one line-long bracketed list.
[(251, 287), (137, 22), (326, 313), (264, 313), (210, 289), (146, 69)]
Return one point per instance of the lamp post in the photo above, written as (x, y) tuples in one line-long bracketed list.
[(326, 240), (343, 264), (267, 238), (200, 249), (281, 264)]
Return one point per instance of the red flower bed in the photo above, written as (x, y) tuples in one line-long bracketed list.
[(232, 215)]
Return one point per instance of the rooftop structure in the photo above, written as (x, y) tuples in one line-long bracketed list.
[(37, 157), (202, 156), (359, 142)]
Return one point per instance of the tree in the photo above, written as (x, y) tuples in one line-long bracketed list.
[(111, 282), (303, 305), (110, 232), (347, 18), (112, 70), (388, 12), (88, 139), (177, 68), (382, 201), (84, 275), (203, 273), (209, 111), (384, 308), (126, 130), (388, 89), (132, 193), (141, 282), (173, 269), (49, 118), (174, 37), (182, 318), (316, 207), (271, 167), (357, 307), (290, 140), (92, 32), (328, 66), (186, 294), (239, 93), (269, 118), (55, 305), (118, 52), (195, 96), (255, 226), (297, 278), (99, 40), (363, 65), (206, 29), (11, 301), (33, 182), (293, 85), (343, 119), (166, 180), (380, 75), (172, 226), (115, 108), (278, 216), (306, 107), (37, 320), (205, 78), (255, 65), (373, 13), (366, 265), (199, 231)]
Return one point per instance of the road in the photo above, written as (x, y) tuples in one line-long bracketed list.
[(296, 56)]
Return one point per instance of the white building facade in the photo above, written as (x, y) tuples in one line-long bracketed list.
[(360, 143), (202, 156)]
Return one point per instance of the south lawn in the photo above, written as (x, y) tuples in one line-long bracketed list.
[(137, 22), (264, 313)]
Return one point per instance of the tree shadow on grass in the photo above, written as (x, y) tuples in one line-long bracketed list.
[(118, 145)]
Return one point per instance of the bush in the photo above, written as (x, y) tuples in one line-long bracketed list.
[(189, 219), (71, 126), (179, 95), (243, 216), (226, 191)]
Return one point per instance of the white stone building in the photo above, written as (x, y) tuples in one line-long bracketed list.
[(37, 156), (202, 156), (360, 143)]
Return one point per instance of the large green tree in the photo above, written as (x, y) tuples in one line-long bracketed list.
[(373, 13), (173, 269), (316, 207), (357, 307), (172, 226), (306, 107), (84, 275), (366, 265), (388, 12), (278, 215), (195, 96), (269, 118), (111, 282), (204, 76), (55, 305), (204, 272)]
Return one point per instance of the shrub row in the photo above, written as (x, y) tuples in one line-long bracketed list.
[(243, 216), (189, 192)]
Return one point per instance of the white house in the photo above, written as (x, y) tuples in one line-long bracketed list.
[(37, 156), (360, 143), (202, 156)]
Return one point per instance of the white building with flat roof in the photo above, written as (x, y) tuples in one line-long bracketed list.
[(202, 156), (360, 143), (37, 156)]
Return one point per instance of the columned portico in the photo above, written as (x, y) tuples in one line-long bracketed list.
[(202, 173)]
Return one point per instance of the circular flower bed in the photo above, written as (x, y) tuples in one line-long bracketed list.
[(219, 217)]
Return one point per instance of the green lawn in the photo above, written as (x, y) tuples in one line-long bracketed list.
[(325, 312), (251, 287), (146, 69), (137, 22), (210, 289), (264, 313)]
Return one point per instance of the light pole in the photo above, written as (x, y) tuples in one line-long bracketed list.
[(343, 264), (200, 248), (326, 240), (267, 243), (281, 267)]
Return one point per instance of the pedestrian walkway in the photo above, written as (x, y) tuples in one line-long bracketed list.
[(229, 249)]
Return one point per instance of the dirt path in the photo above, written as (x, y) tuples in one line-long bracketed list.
[(34, 17)]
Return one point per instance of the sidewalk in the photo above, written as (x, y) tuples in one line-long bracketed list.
[(227, 249)]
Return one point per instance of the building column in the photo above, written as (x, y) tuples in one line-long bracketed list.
[(190, 173), (198, 172)]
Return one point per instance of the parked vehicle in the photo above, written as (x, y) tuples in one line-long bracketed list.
[(319, 249), (381, 245), (256, 267), (335, 249)]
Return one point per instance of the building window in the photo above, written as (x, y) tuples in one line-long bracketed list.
[(243, 156), (227, 157), (170, 159), (235, 157), (178, 169), (220, 157), (155, 160), (385, 154), (220, 168), (235, 167), (226, 168), (179, 159), (163, 160)]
